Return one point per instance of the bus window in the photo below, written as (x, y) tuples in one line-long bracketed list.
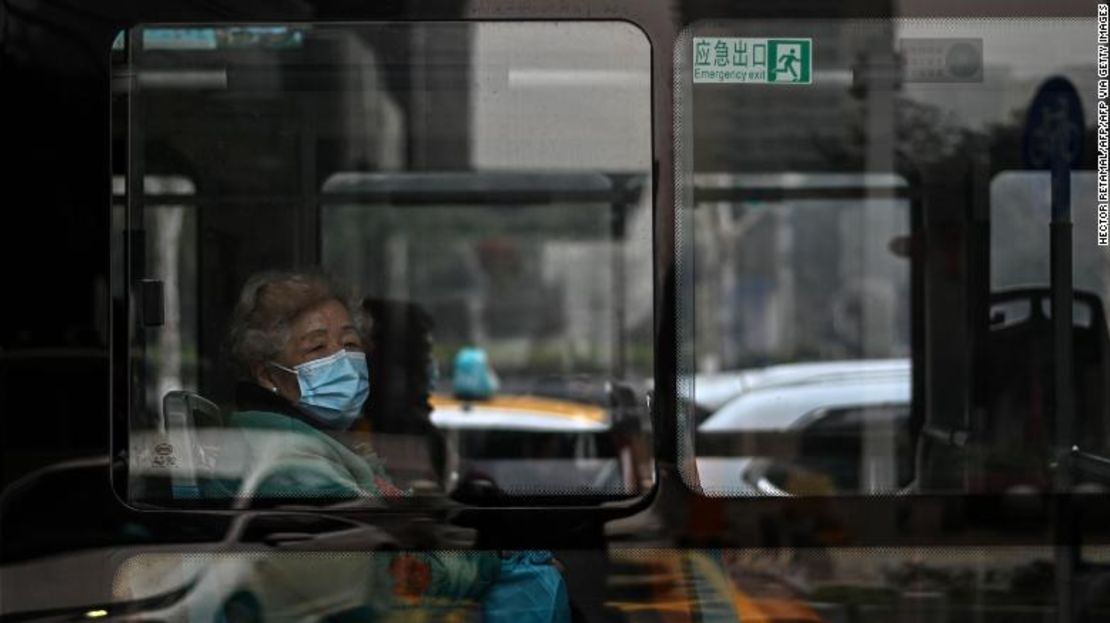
[(465, 231), (855, 206)]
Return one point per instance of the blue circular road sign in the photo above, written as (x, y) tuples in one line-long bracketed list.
[(1054, 123)]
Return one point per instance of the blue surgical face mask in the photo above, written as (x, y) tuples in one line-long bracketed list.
[(333, 388)]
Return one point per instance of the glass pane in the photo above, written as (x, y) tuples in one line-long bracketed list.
[(864, 258), (379, 261)]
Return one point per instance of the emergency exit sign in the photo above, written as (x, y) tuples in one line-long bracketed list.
[(747, 60)]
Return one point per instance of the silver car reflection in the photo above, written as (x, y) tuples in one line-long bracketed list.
[(807, 429)]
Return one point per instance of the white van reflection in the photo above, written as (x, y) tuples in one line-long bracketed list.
[(805, 429)]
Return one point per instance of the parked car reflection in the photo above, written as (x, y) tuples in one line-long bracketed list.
[(806, 429)]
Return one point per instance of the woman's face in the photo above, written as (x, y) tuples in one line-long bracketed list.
[(316, 333)]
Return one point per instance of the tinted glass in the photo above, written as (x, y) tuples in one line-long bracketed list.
[(421, 252), (864, 218)]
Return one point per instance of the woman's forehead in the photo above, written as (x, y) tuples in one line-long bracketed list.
[(330, 314)]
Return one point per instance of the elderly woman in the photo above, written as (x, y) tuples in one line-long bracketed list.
[(298, 341)]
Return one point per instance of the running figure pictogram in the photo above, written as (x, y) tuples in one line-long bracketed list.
[(787, 63)]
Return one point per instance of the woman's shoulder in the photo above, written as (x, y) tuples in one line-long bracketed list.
[(282, 433), (269, 433), (285, 457), (260, 418)]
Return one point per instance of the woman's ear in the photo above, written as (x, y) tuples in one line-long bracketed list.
[(263, 375), (271, 379)]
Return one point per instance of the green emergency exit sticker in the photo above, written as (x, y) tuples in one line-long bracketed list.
[(747, 60)]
